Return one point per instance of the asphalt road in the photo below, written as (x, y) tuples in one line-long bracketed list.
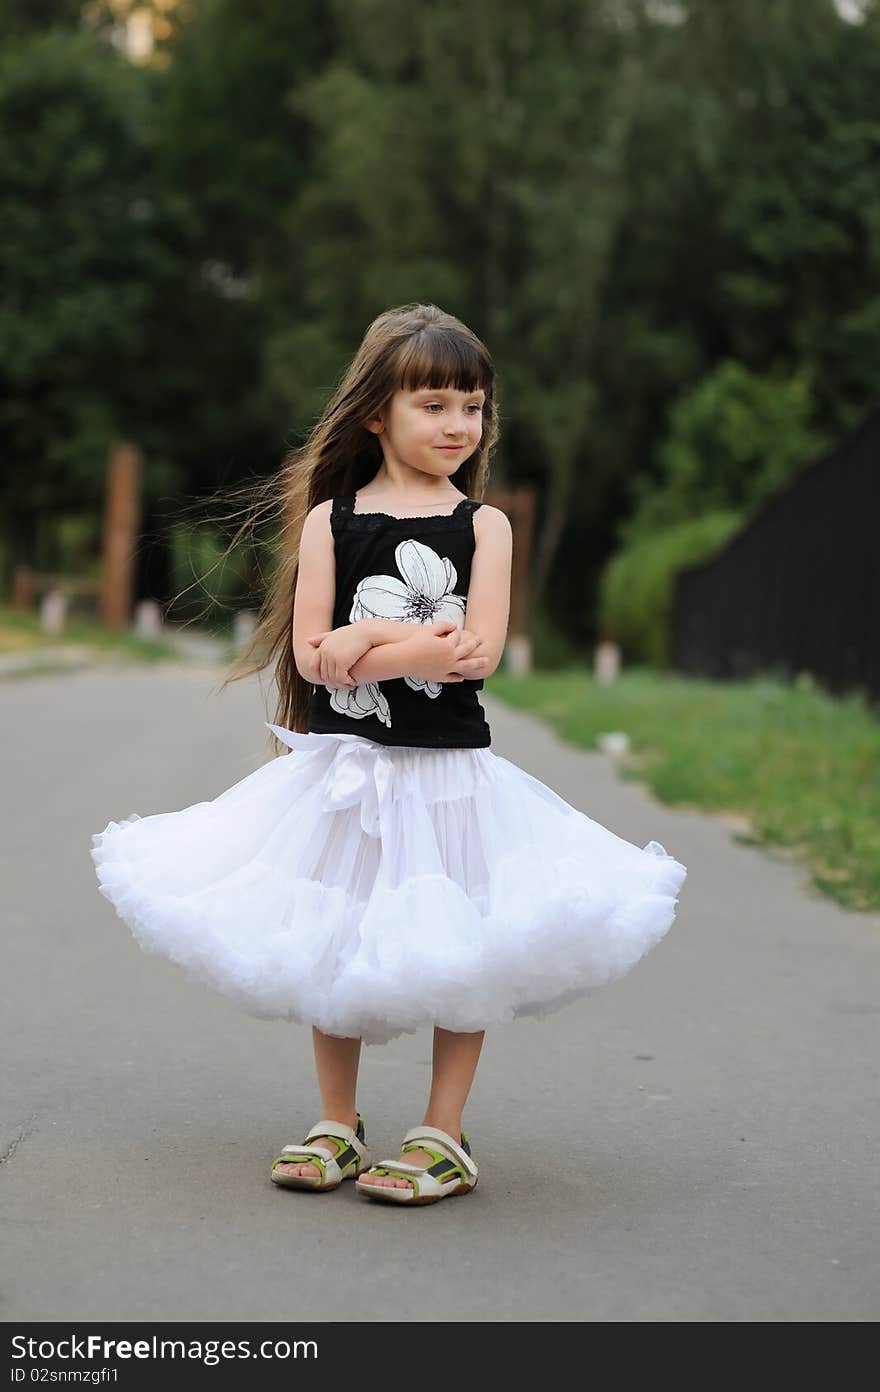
[(696, 1143)]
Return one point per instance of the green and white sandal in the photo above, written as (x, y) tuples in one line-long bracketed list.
[(349, 1161), (453, 1171)]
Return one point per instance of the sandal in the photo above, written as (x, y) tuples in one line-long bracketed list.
[(349, 1161), (453, 1171)]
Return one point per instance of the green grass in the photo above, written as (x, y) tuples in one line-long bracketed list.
[(20, 632), (802, 767)]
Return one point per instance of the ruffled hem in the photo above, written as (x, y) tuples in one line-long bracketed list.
[(373, 894)]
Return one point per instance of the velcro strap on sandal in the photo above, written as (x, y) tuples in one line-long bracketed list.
[(332, 1128), (304, 1151), (339, 1132), (440, 1140), (393, 1166)]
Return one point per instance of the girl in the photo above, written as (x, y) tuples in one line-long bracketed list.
[(394, 871)]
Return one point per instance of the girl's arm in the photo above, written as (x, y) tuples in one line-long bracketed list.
[(315, 589), (488, 599), (438, 657), (387, 630), (340, 651), (393, 659)]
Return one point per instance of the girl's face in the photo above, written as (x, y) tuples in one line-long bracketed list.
[(432, 430)]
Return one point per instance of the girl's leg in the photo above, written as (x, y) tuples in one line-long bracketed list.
[(337, 1063), (455, 1063)]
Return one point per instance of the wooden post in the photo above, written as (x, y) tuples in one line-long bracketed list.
[(121, 521), (22, 587)]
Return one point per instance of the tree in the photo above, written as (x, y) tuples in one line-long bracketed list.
[(73, 258), (731, 443), (111, 326)]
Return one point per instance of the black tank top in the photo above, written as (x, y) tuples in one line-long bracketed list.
[(417, 569)]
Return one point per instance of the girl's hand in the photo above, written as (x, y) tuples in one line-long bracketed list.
[(450, 657), (470, 661), (338, 650), (467, 659), (464, 646)]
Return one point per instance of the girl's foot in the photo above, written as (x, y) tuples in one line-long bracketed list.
[(305, 1168), (310, 1170), (422, 1175), (412, 1157)]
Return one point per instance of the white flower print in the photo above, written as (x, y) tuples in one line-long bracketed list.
[(358, 701), (424, 596)]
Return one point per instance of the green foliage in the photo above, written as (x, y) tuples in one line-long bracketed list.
[(637, 586), (799, 205), (552, 650), (19, 17), (69, 544), (751, 232), (731, 443), (109, 326), (71, 262)]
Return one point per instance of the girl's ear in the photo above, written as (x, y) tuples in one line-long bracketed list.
[(375, 424)]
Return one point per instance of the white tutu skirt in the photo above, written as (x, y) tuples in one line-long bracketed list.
[(371, 889)]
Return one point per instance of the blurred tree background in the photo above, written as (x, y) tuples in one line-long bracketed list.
[(662, 217)]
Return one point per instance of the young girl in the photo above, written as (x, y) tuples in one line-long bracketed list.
[(393, 871)]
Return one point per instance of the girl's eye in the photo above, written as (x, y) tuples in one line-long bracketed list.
[(431, 404)]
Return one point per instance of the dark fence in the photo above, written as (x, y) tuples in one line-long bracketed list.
[(798, 589)]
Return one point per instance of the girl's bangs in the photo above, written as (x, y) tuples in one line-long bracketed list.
[(438, 358)]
